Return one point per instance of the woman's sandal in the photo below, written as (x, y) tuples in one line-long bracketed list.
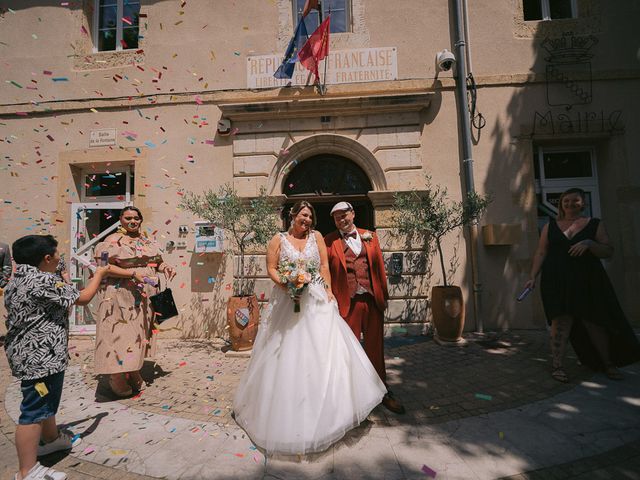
[(120, 393), (559, 375), (613, 373)]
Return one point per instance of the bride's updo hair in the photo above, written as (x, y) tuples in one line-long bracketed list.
[(298, 206)]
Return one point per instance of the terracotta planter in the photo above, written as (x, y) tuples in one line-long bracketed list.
[(447, 307), (243, 317)]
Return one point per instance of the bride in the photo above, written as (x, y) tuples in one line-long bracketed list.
[(309, 380)]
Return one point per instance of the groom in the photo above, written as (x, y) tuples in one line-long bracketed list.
[(359, 283)]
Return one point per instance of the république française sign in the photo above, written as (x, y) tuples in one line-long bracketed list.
[(343, 66)]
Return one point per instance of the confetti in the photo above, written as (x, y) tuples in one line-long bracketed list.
[(88, 450), (41, 388), (428, 472), (118, 452), (60, 79), (482, 396)]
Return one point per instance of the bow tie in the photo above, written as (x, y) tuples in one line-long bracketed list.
[(353, 234)]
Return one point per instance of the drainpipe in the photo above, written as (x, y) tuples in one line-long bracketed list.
[(459, 7)]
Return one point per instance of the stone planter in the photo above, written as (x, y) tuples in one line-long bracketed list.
[(243, 317), (447, 308)]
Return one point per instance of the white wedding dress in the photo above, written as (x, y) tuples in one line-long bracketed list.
[(309, 380)]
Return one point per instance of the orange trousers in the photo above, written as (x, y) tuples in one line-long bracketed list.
[(365, 318)]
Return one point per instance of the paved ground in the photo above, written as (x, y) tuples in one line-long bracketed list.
[(488, 410)]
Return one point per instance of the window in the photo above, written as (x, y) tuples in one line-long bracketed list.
[(322, 178), (340, 15), (557, 170), (108, 186), (549, 9), (327, 175), (116, 25)]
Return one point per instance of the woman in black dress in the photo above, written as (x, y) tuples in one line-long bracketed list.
[(579, 301)]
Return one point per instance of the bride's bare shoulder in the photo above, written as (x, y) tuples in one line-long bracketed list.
[(275, 240)]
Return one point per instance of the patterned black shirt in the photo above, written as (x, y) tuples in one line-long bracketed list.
[(5, 264), (37, 322)]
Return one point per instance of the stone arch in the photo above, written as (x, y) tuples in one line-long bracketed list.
[(326, 144)]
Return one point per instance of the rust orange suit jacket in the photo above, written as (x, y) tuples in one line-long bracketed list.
[(338, 269)]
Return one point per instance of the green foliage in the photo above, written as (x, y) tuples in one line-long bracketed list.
[(247, 224), (428, 215)]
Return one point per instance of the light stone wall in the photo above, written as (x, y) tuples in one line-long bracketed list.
[(193, 64)]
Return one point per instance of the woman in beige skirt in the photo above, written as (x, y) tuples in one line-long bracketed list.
[(125, 319)]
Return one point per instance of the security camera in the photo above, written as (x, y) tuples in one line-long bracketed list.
[(445, 60), (224, 126)]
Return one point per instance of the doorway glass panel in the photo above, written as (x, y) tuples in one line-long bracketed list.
[(91, 223), (324, 180)]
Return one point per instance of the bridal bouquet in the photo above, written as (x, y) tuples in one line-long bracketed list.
[(297, 275)]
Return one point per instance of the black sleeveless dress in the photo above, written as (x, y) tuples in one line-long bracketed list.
[(579, 287)]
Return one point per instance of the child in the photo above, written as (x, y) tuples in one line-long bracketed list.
[(37, 304), (5, 265)]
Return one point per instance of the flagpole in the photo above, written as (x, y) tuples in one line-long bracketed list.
[(323, 89)]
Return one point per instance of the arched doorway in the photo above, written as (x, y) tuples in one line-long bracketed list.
[(325, 180)]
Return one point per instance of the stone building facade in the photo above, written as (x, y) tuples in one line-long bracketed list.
[(107, 103)]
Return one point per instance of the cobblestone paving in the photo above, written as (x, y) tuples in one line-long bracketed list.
[(495, 372), (195, 380)]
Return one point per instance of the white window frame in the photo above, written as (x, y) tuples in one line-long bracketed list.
[(81, 257), (546, 11), (106, 198), (348, 8), (558, 185), (119, 27)]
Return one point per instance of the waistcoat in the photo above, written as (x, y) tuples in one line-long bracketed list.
[(357, 270)]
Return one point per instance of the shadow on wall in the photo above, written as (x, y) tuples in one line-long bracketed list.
[(509, 178), (555, 112), (205, 316), (410, 290), (254, 269)]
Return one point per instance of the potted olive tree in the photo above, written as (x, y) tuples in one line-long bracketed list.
[(428, 216), (248, 223)]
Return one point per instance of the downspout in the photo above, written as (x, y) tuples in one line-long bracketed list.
[(467, 154)]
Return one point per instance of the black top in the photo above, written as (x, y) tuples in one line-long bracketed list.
[(579, 287), (572, 285)]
